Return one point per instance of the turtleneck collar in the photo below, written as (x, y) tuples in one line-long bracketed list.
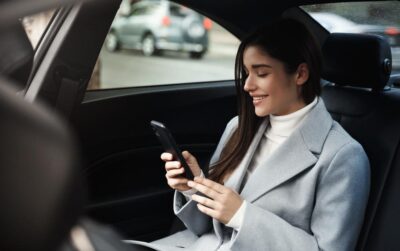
[(284, 125)]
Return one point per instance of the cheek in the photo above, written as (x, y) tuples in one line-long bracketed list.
[(268, 85), (285, 88), (274, 88)]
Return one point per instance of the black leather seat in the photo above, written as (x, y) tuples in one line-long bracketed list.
[(41, 185), (358, 67), (41, 188)]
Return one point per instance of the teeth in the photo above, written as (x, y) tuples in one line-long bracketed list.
[(259, 98)]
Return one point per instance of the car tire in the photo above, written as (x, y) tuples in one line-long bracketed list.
[(149, 45), (112, 43), (196, 55)]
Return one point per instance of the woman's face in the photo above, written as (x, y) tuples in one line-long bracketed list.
[(273, 90)]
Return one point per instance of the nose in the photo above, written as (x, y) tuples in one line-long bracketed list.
[(248, 84)]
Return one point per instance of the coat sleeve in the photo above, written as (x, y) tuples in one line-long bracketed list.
[(187, 211), (340, 202)]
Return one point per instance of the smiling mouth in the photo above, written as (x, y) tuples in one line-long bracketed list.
[(258, 99)]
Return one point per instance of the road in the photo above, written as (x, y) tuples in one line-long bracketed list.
[(128, 68)]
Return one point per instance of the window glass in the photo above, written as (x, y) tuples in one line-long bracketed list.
[(171, 44), (379, 18), (35, 26)]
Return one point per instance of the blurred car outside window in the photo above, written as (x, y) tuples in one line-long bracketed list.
[(379, 18), (158, 42)]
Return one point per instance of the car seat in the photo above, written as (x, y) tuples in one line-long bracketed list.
[(41, 185), (358, 68)]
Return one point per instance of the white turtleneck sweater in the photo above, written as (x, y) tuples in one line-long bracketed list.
[(278, 130)]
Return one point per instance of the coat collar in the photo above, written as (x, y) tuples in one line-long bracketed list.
[(295, 155)]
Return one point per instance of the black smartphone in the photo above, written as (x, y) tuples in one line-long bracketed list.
[(170, 146)]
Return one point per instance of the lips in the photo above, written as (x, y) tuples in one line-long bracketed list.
[(258, 99)]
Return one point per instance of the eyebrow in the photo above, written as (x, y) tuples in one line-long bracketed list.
[(255, 66)]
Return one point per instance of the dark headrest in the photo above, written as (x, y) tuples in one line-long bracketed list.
[(16, 54), (359, 60), (40, 184)]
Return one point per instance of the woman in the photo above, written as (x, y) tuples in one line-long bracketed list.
[(284, 176)]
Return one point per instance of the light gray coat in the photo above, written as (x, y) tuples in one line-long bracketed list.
[(310, 194)]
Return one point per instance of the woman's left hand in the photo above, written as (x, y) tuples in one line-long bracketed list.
[(222, 202)]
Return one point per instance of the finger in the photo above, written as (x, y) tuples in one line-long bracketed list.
[(205, 201), (188, 157), (208, 211), (211, 184), (209, 192), (174, 172), (169, 165), (177, 182), (167, 156)]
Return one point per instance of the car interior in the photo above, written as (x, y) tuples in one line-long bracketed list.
[(71, 157)]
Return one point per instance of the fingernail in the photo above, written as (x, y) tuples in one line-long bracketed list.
[(190, 183)]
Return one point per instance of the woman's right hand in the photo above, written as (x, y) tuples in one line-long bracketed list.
[(175, 171)]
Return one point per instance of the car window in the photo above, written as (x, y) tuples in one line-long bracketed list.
[(379, 18), (36, 25), (171, 46)]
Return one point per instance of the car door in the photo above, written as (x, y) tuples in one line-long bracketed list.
[(126, 177)]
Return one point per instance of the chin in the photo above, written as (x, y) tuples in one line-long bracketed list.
[(262, 113)]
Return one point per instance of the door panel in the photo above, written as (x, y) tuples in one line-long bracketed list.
[(127, 186)]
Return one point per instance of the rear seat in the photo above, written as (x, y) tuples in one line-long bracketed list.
[(359, 67)]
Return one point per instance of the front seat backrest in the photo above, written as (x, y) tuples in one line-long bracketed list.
[(41, 190), (41, 186)]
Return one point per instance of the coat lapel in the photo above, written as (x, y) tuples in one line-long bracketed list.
[(295, 155), (237, 176)]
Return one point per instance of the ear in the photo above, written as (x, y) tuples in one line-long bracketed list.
[(302, 74)]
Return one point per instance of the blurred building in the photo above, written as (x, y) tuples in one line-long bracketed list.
[(35, 25)]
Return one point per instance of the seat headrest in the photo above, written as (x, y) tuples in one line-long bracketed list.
[(360, 60), (41, 190), (16, 54)]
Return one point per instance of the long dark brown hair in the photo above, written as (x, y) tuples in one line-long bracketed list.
[(288, 41)]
